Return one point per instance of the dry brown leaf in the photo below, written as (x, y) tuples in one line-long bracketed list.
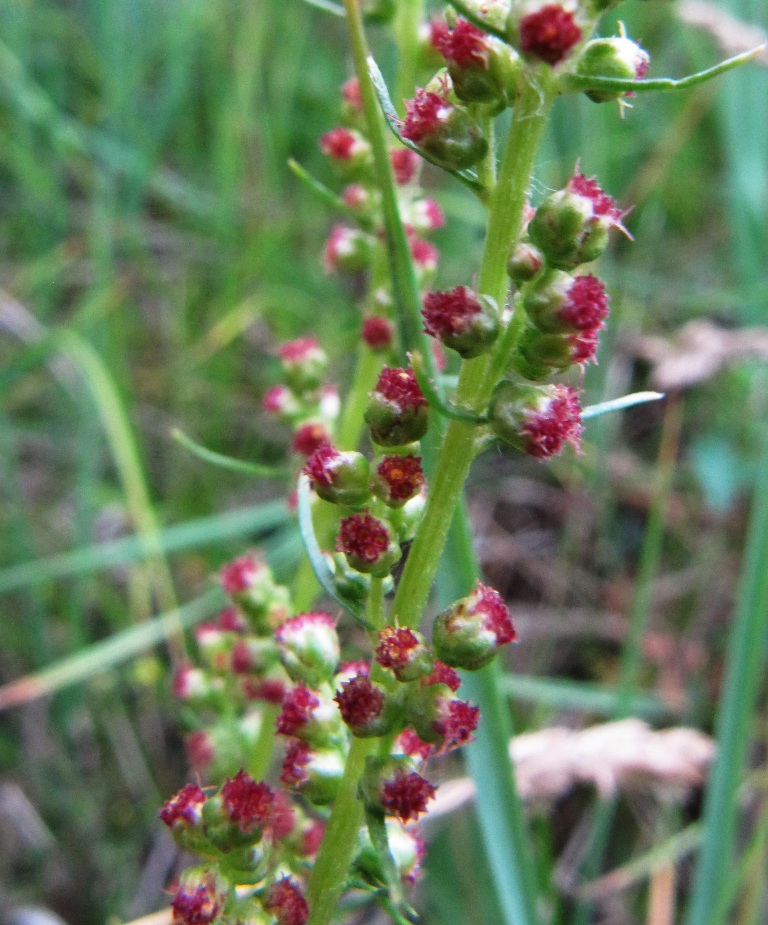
[(697, 352), (626, 754)]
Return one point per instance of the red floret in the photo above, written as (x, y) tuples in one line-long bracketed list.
[(586, 304), (402, 475), (405, 164), (377, 332), (298, 706), (199, 906), (339, 144), (443, 674), (247, 802), (321, 464), (287, 902), (396, 646), (359, 702), (294, 768), (602, 203), (496, 616), (184, 807), (400, 387), (296, 351), (457, 724), (424, 115), (363, 537), (546, 430), (448, 313), (309, 437), (549, 33), (465, 45), (406, 795)]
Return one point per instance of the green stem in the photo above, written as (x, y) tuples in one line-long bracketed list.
[(408, 19), (475, 385), (332, 864)]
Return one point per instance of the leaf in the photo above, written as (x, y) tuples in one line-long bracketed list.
[(228, 462), (619, 404), (325, 194), (101, 656)]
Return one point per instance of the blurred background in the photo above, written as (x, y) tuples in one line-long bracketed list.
[(154, 248)]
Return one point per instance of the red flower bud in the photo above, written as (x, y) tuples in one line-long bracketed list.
[(309, 647), (536, 419), (362, 706), (470, 632), (185, 809), (315, 773), (446, 132), (463, 321), (563, 304), (482, 69), (340, 478), (425, 215), (396, 410), (341, 144), (390, 787), (366, 543), (199, 900), (378, 333), (286, 900), (549, 34), (347, 250), (304, 363), (247, 803), (525, 261), (398, 479), (404, 652), (309, 436), (406, 164)]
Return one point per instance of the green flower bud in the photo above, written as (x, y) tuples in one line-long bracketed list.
[(340, 478), (616, 57)]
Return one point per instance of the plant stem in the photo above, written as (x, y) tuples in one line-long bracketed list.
[(332, 864), (475, 384)]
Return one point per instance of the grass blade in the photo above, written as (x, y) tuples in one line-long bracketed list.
[(101, 656), (228, 462), (743, 668)]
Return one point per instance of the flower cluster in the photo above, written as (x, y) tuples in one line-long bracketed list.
[(303, 399)]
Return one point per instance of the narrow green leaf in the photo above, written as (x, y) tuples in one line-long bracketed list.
[(619, 404), (192, 534), (229, 462), (316, 557), (101, 656), (743, 672), (326, 195)]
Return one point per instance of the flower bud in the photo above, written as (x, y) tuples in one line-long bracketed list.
[(463, 321), (524, 263), (195, 686), (366, 543), (250, 584), (536, 419), (562, 304), (281, 403), (482, 69), (347, 250), (405, 520), (398, 479), (309, 647), (548, 33), (571, 226), (348, 149), (286, 902), (315, 773), (405, 653), (199, 899), (470, 632), (425, 256), (340, 478), (239, 813), (310, 716), (364, 707), (378, 333), (304, 363), (309, 436), (425, 215), (183, 815), (406, 165), (440, 718), (390, 787), (616, 57), (447, 133), (397, 410)]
